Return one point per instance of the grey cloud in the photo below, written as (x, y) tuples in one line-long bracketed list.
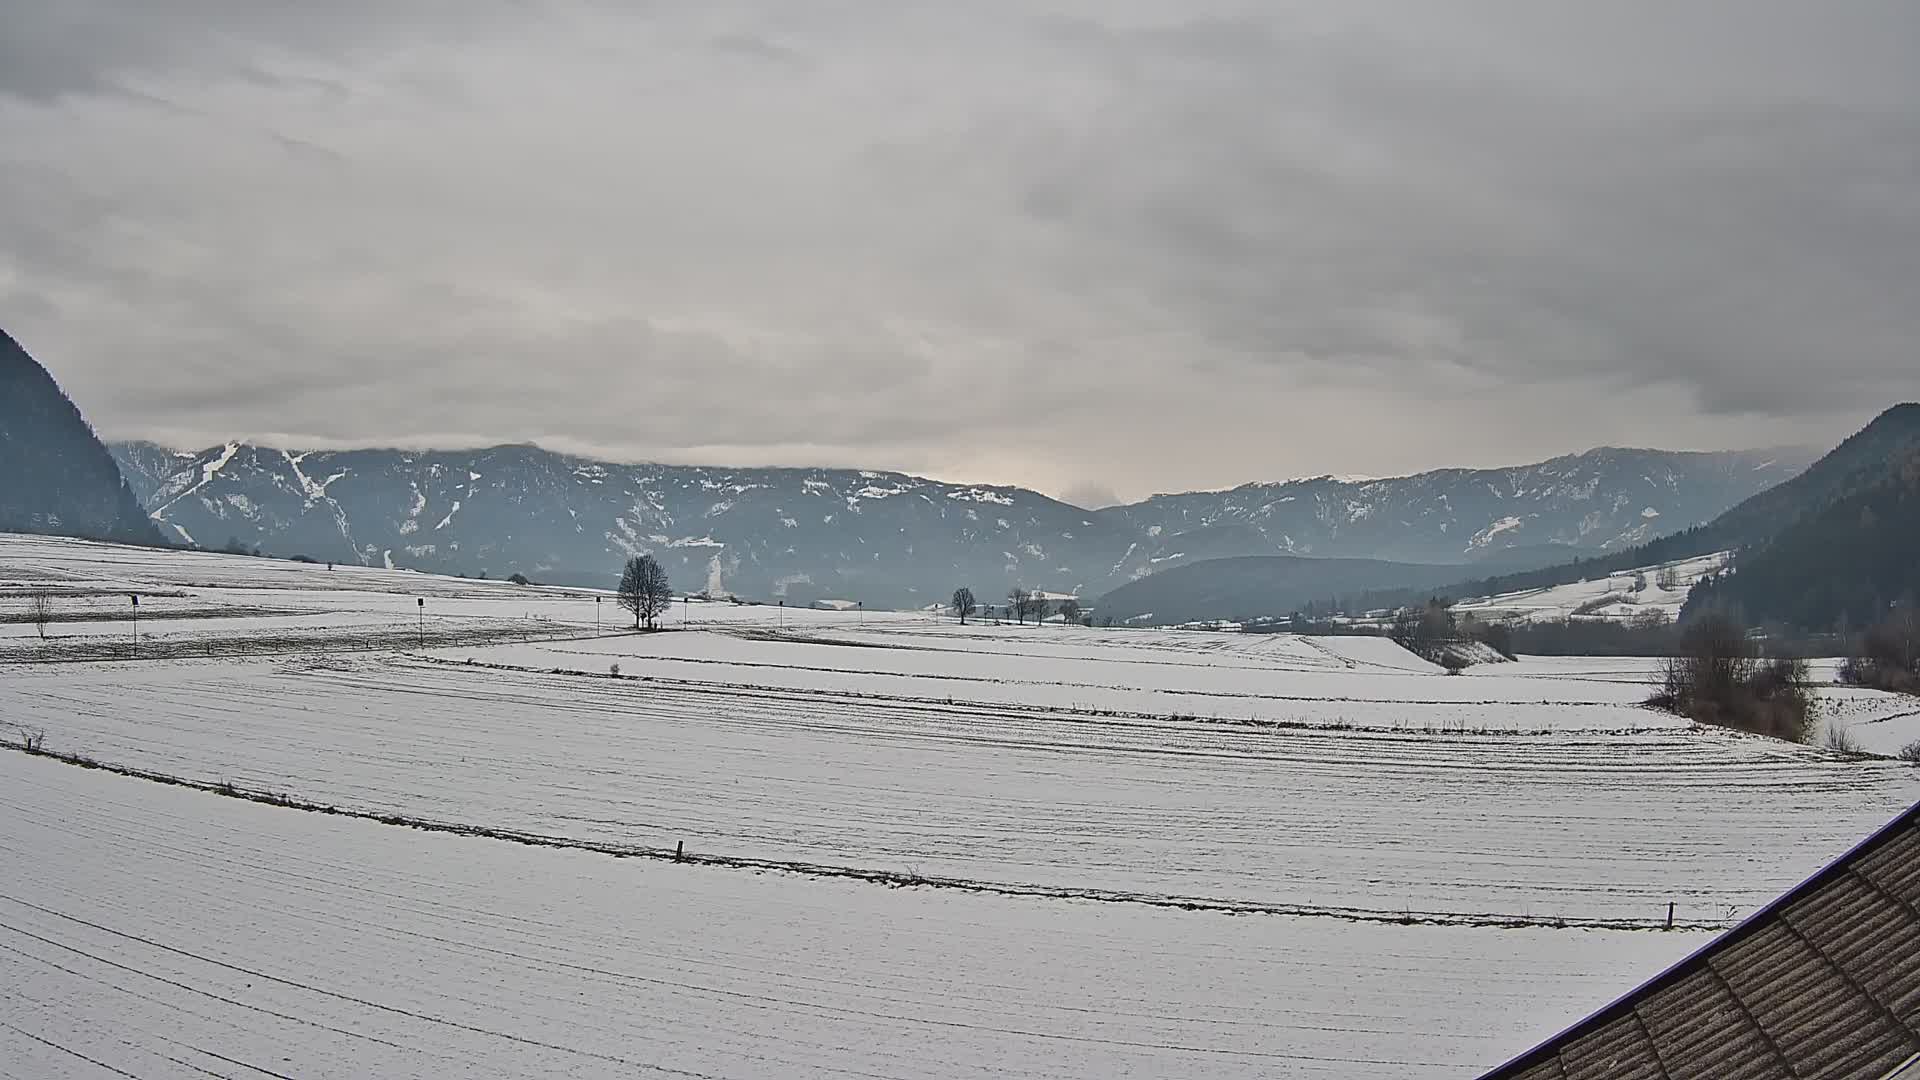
[(1162, 244)]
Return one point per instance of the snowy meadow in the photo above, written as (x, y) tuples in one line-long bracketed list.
[(356, 822)]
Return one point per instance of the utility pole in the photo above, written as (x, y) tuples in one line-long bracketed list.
[(136, 624), (596, 614), (783, 614), (422, 602)]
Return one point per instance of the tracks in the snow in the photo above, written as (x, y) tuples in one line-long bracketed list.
[(881, 876)]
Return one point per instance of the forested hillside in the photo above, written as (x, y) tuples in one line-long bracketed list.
[(55, 476)]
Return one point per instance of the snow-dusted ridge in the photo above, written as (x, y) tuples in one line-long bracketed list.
[(891, 538)]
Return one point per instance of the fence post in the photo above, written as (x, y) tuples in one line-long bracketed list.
[(1669, 914), (680, 852)]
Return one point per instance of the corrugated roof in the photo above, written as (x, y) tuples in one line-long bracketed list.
[(1824, 983)]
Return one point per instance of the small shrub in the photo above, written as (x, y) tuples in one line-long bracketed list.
[(613, 670), (33, 742), (1842, 741), (40, 611), (1455, 663), (1911, 752), (519, 579)]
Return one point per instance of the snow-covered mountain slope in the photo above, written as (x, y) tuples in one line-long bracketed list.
[(801, 534), (1622, 595), (890, 539), (1603, 500)]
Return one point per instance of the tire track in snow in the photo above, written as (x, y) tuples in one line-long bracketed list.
[(890, 878)]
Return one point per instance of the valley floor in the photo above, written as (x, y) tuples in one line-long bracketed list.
[(917, 849)]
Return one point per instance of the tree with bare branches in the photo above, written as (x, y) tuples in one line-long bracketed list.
[(40, 611), (645, 590), (1019, 601), (963, 603)]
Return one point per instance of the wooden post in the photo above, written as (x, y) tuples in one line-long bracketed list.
[(1669, 914), (680, 852)]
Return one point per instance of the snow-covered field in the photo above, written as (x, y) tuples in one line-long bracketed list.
[(919, 849), (1623, 595), (169, 933)]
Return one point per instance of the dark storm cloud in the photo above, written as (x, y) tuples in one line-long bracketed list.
[(1124, 245)]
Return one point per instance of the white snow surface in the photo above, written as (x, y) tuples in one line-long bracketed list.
[(164, 932), (1059, 785), (1562, 602)]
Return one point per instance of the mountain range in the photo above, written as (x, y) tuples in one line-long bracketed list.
[(895, 540), (1829, 546)]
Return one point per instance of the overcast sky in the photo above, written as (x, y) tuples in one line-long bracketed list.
[(1110, 247)]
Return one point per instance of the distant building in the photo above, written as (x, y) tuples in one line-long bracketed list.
[(1824, 984)]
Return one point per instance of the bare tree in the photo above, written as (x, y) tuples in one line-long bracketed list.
[(40, 612), (1668, 579), (1021, 602), (1887, 655), (963, 603), (1070, 610), (645, 590)]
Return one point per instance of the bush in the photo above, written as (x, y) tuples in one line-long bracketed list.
[(1842, 741), (519, 579), (1718, 678), (1887, 655), (1911, 752)]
